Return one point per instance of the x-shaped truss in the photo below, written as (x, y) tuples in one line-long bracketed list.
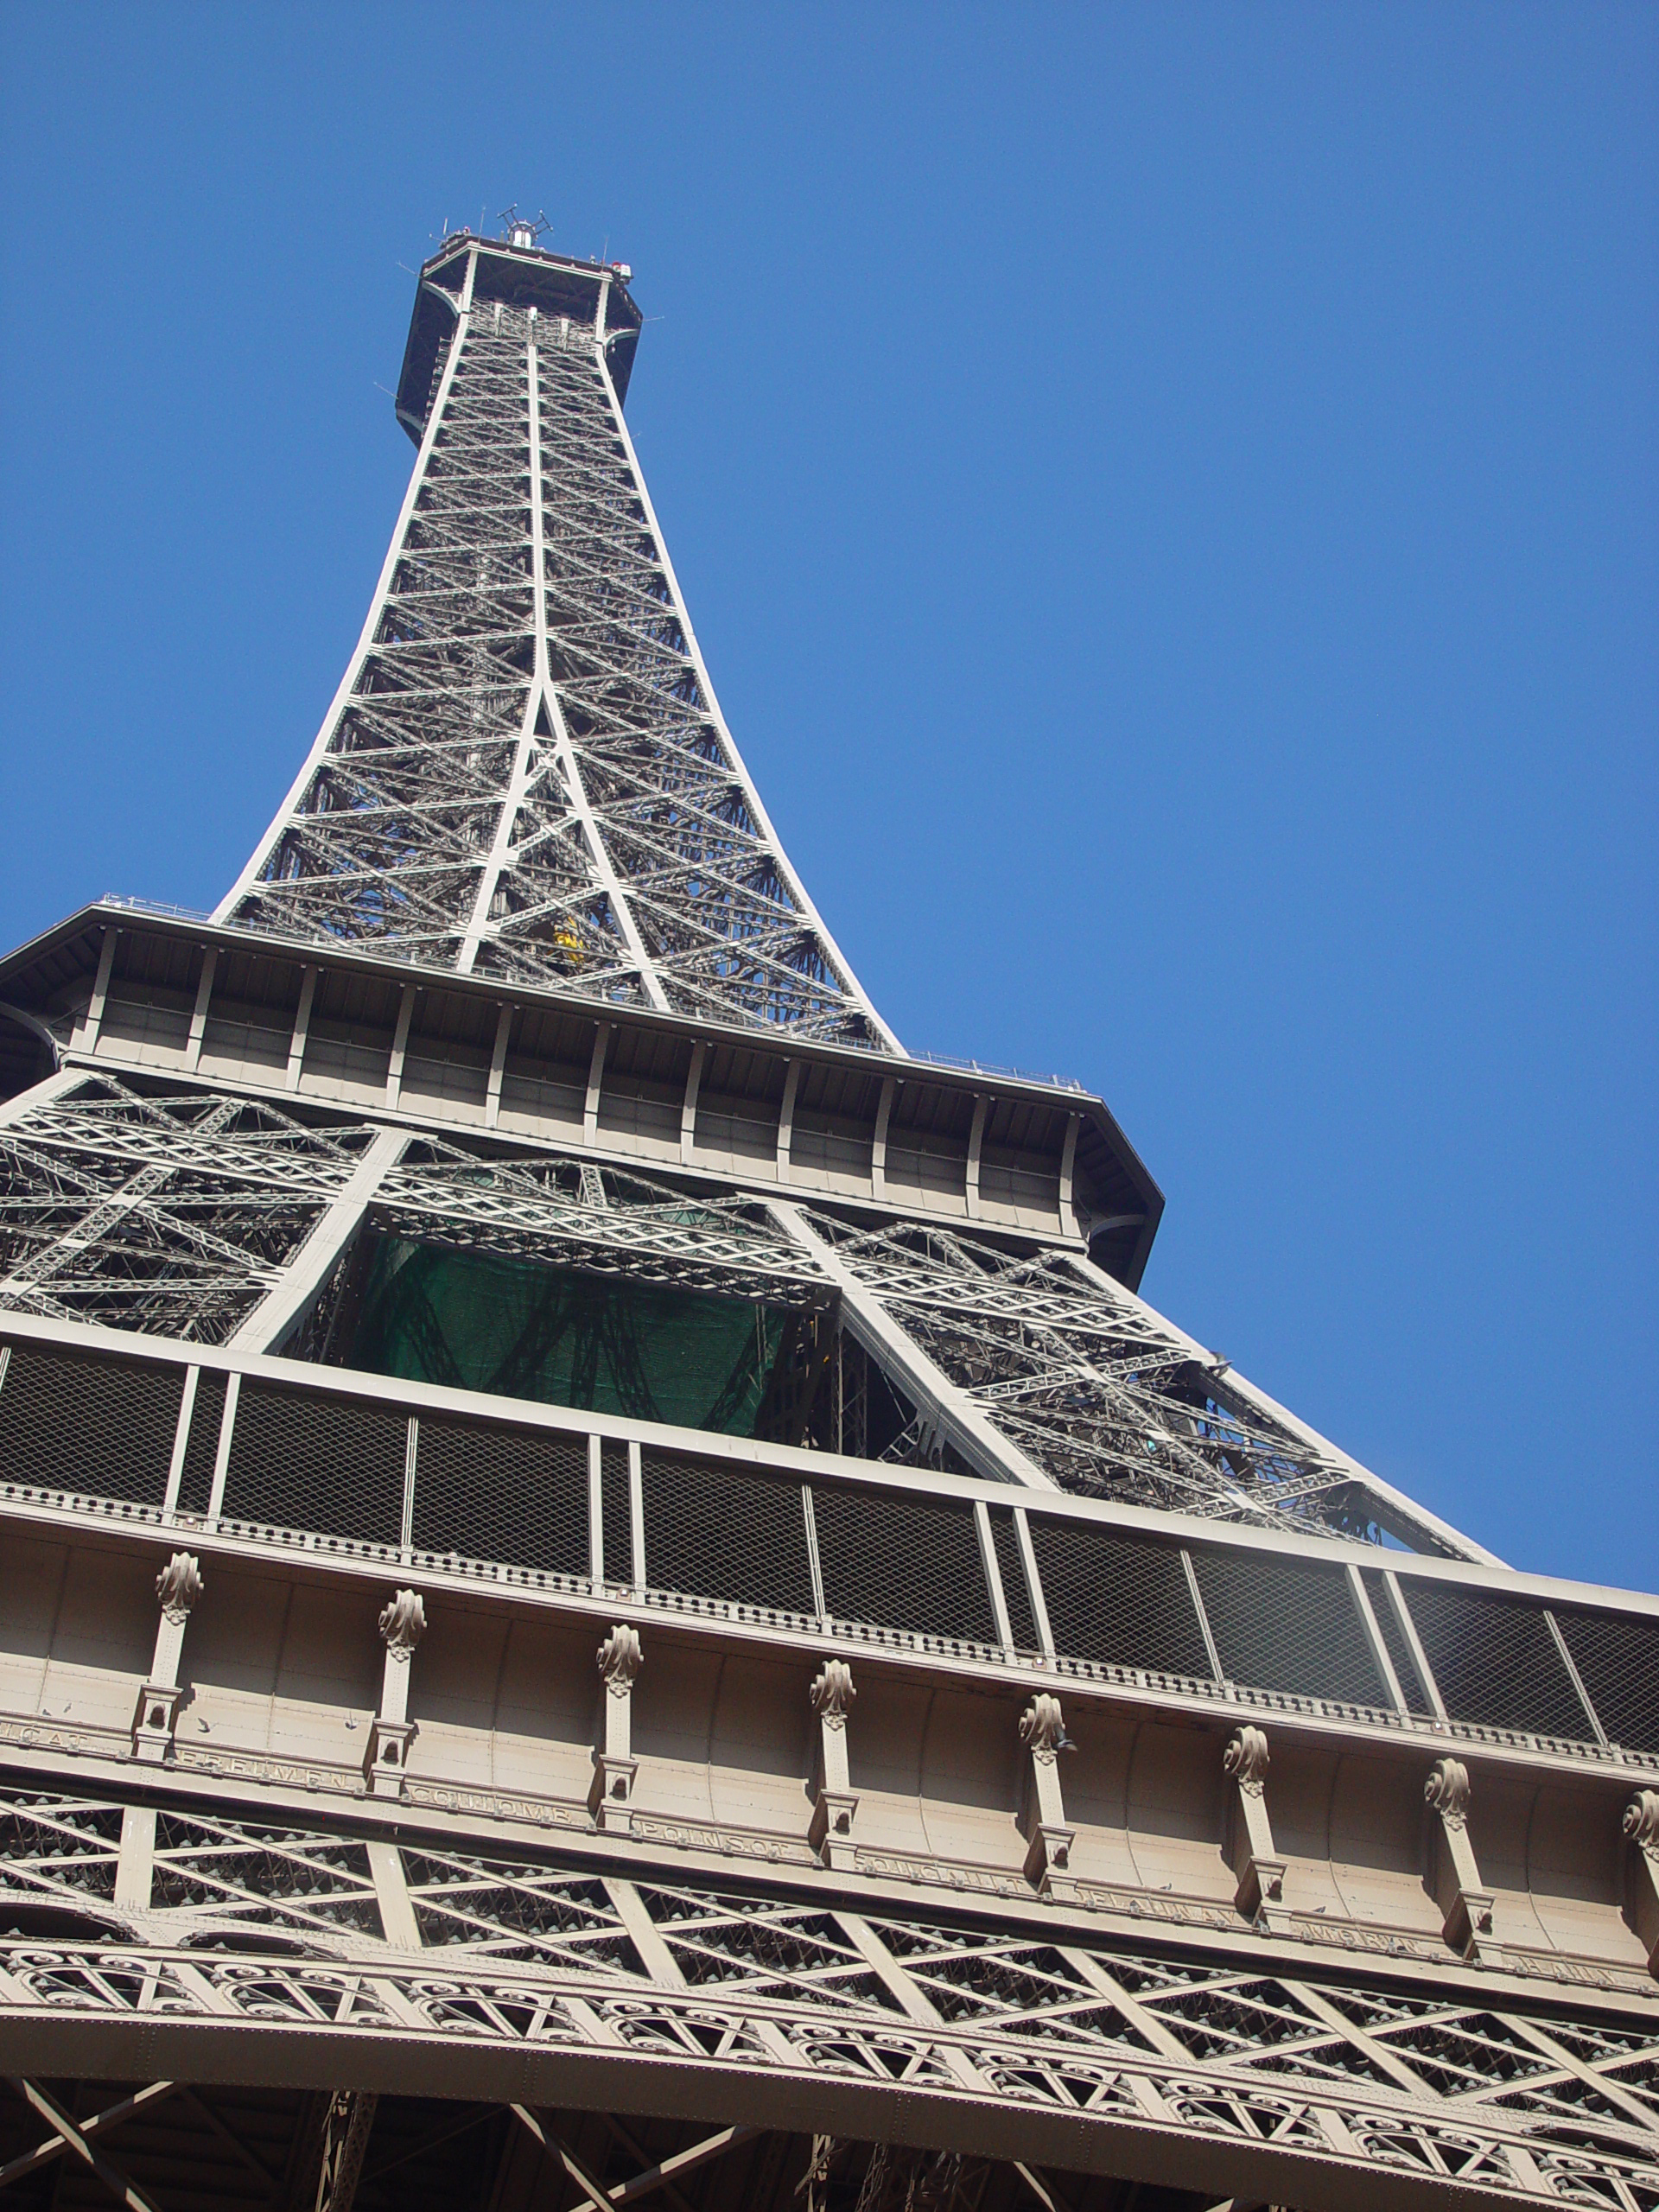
[(1089, 1385)]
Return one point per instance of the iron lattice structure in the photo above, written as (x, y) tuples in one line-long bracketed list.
[(505, 1237), (180, 1210), (525, 771), (530, 1958)]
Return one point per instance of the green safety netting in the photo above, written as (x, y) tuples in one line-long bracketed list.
[(607, 1344)]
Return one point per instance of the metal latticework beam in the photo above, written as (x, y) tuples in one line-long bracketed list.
[(174, 1210), (1087, 1385), (216, 1218)]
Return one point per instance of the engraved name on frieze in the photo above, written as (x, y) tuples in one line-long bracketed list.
[(684, 1836), (261, 1766), (544, 1812)]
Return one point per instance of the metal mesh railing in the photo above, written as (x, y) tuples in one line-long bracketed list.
[(1618, 1660), (721, 1532), (317, 1468), (519, 1496), (1118, 1599), (1280, 1624), (304, 1461), (1495, 1661), (102, 1427), (902, 1562)]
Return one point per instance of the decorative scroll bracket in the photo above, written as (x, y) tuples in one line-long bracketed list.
[(1451, 1872), (1641, 1826), (611, 1793), (402, 1623), (1250, 1851), (835, 1809), (156, 1716), (1049, 1836)]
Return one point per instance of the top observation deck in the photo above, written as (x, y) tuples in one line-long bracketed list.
[(556, 284)]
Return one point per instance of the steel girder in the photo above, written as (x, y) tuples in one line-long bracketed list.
[(525, 772), (182, 1211), (1000, 2037), (176, 1210), (1088, 1384)]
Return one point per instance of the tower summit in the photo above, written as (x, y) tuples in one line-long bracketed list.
[(609, 1591)]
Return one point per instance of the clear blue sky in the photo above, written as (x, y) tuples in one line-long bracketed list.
[(1168, 497)]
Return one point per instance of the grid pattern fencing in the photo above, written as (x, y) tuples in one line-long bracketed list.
[(489, 1492), (1118, 1600), (1496, 1661), (724, 1533), (102, 1427), (906, 1563), (299, 1461), (1279, 1624), (1618, 1660), (317, 1464)]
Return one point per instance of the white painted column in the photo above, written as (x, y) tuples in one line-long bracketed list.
[(595, 1079), (878, 1143), (498, 1068), (689, 1108), (399, 1045), (301, 1028), (199, 1017), (92, 1019), (1068, 1173), (975, 1146), (786, 1118)]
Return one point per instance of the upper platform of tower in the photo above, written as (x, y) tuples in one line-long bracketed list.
[(592, 295)]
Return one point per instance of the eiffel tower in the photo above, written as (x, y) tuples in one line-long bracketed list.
[(610, 1592)]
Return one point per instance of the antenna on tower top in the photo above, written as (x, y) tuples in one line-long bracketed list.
[(523, 230)]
